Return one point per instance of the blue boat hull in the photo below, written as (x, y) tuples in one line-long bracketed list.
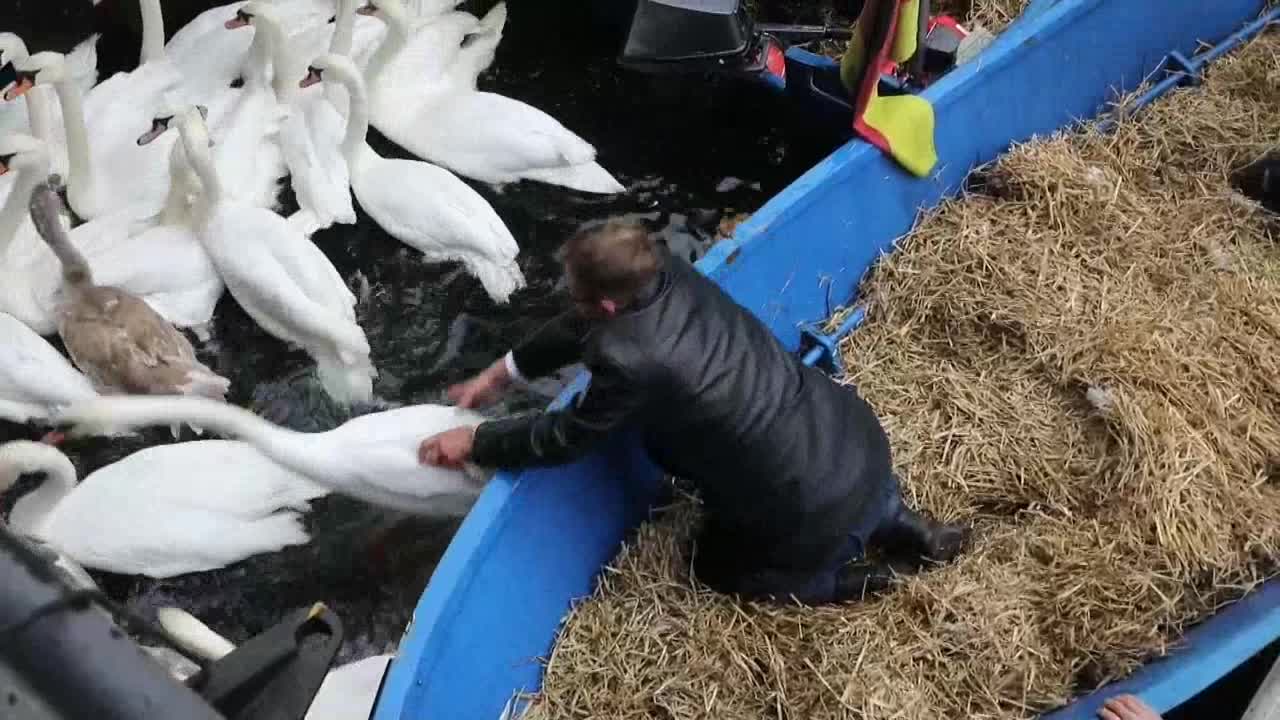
[(534, 542)]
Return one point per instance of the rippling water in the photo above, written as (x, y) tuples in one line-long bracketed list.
[(688, 151)]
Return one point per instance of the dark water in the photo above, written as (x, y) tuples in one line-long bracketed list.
[(687, 150)]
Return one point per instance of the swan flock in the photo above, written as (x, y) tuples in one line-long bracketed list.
[(130, 204)]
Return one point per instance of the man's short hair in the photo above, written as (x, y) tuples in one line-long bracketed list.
[(613, 260)]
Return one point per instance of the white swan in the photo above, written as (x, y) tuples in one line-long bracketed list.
[(420, 204), (309, 133), (347, 692), (112, 335), (480, 135), (167, 268), (371, 457), (246, 150), (111, 173), (34, 377), (208, 56), (280, 278), (82, 66), (31, 274), (163, 511), (166, 264)]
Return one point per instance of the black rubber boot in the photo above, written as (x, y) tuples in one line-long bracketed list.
[(861, 580), (911, 533)]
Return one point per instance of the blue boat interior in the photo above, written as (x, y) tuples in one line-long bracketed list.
[(535, 541)]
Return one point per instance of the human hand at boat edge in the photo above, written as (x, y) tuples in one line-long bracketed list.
[(482, 389), (1127, 707), (449, 449)]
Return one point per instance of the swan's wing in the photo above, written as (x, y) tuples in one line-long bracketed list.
[(515, 136), (431, 209), (165, 258), (32, 371), (167, 268), (431, 49), (119, 341), (315, 275), (246, 154), (317, 169), (264, 285), (114, 111), (82, 63), (221, 475), (480, 48), (205, 52), (422, 420), (117, 529)]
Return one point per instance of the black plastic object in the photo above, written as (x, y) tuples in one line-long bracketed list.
[(274, 675), (707, 36), (63, 657), (683, 31)]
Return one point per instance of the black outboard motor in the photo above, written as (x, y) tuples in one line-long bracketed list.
[(709, 36), (63, 657)]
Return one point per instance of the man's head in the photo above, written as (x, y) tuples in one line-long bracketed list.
[(608, 266)]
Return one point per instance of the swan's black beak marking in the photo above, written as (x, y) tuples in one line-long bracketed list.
[(241, 19), (23, 81), (158, 126), (314, 75)]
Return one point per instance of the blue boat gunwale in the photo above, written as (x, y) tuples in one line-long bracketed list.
[(1214, 647)]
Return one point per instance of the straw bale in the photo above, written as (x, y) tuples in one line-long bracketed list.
[(1081, 358)]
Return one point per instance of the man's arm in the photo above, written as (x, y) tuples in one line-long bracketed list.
[(560, 436), (556, 344)]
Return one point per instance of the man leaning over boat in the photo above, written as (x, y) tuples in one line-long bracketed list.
[(793, 469)]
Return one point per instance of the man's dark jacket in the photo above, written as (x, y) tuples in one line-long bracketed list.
[(785, 459)]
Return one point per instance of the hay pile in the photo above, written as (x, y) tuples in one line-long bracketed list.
[(1085, 364)]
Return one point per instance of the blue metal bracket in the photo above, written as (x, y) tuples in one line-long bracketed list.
[(1183, 70), (1192, 71), (821, 348)]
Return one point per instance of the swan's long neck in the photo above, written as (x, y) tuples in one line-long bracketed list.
[(290, 449), (282, 80), (40, 113), (45, 215), (396, 38), (344, 29), (30, 512), (177, 202), (79, 161), (254, 68), (152, 30), (195, 143), (193, 636), (15, 205), (357, 113)]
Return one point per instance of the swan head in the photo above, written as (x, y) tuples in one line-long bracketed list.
[(384, 10), (193, 117), (22, 152), (250, 14), (12, 49), (43, 68), (343, 70), (25, 457)]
